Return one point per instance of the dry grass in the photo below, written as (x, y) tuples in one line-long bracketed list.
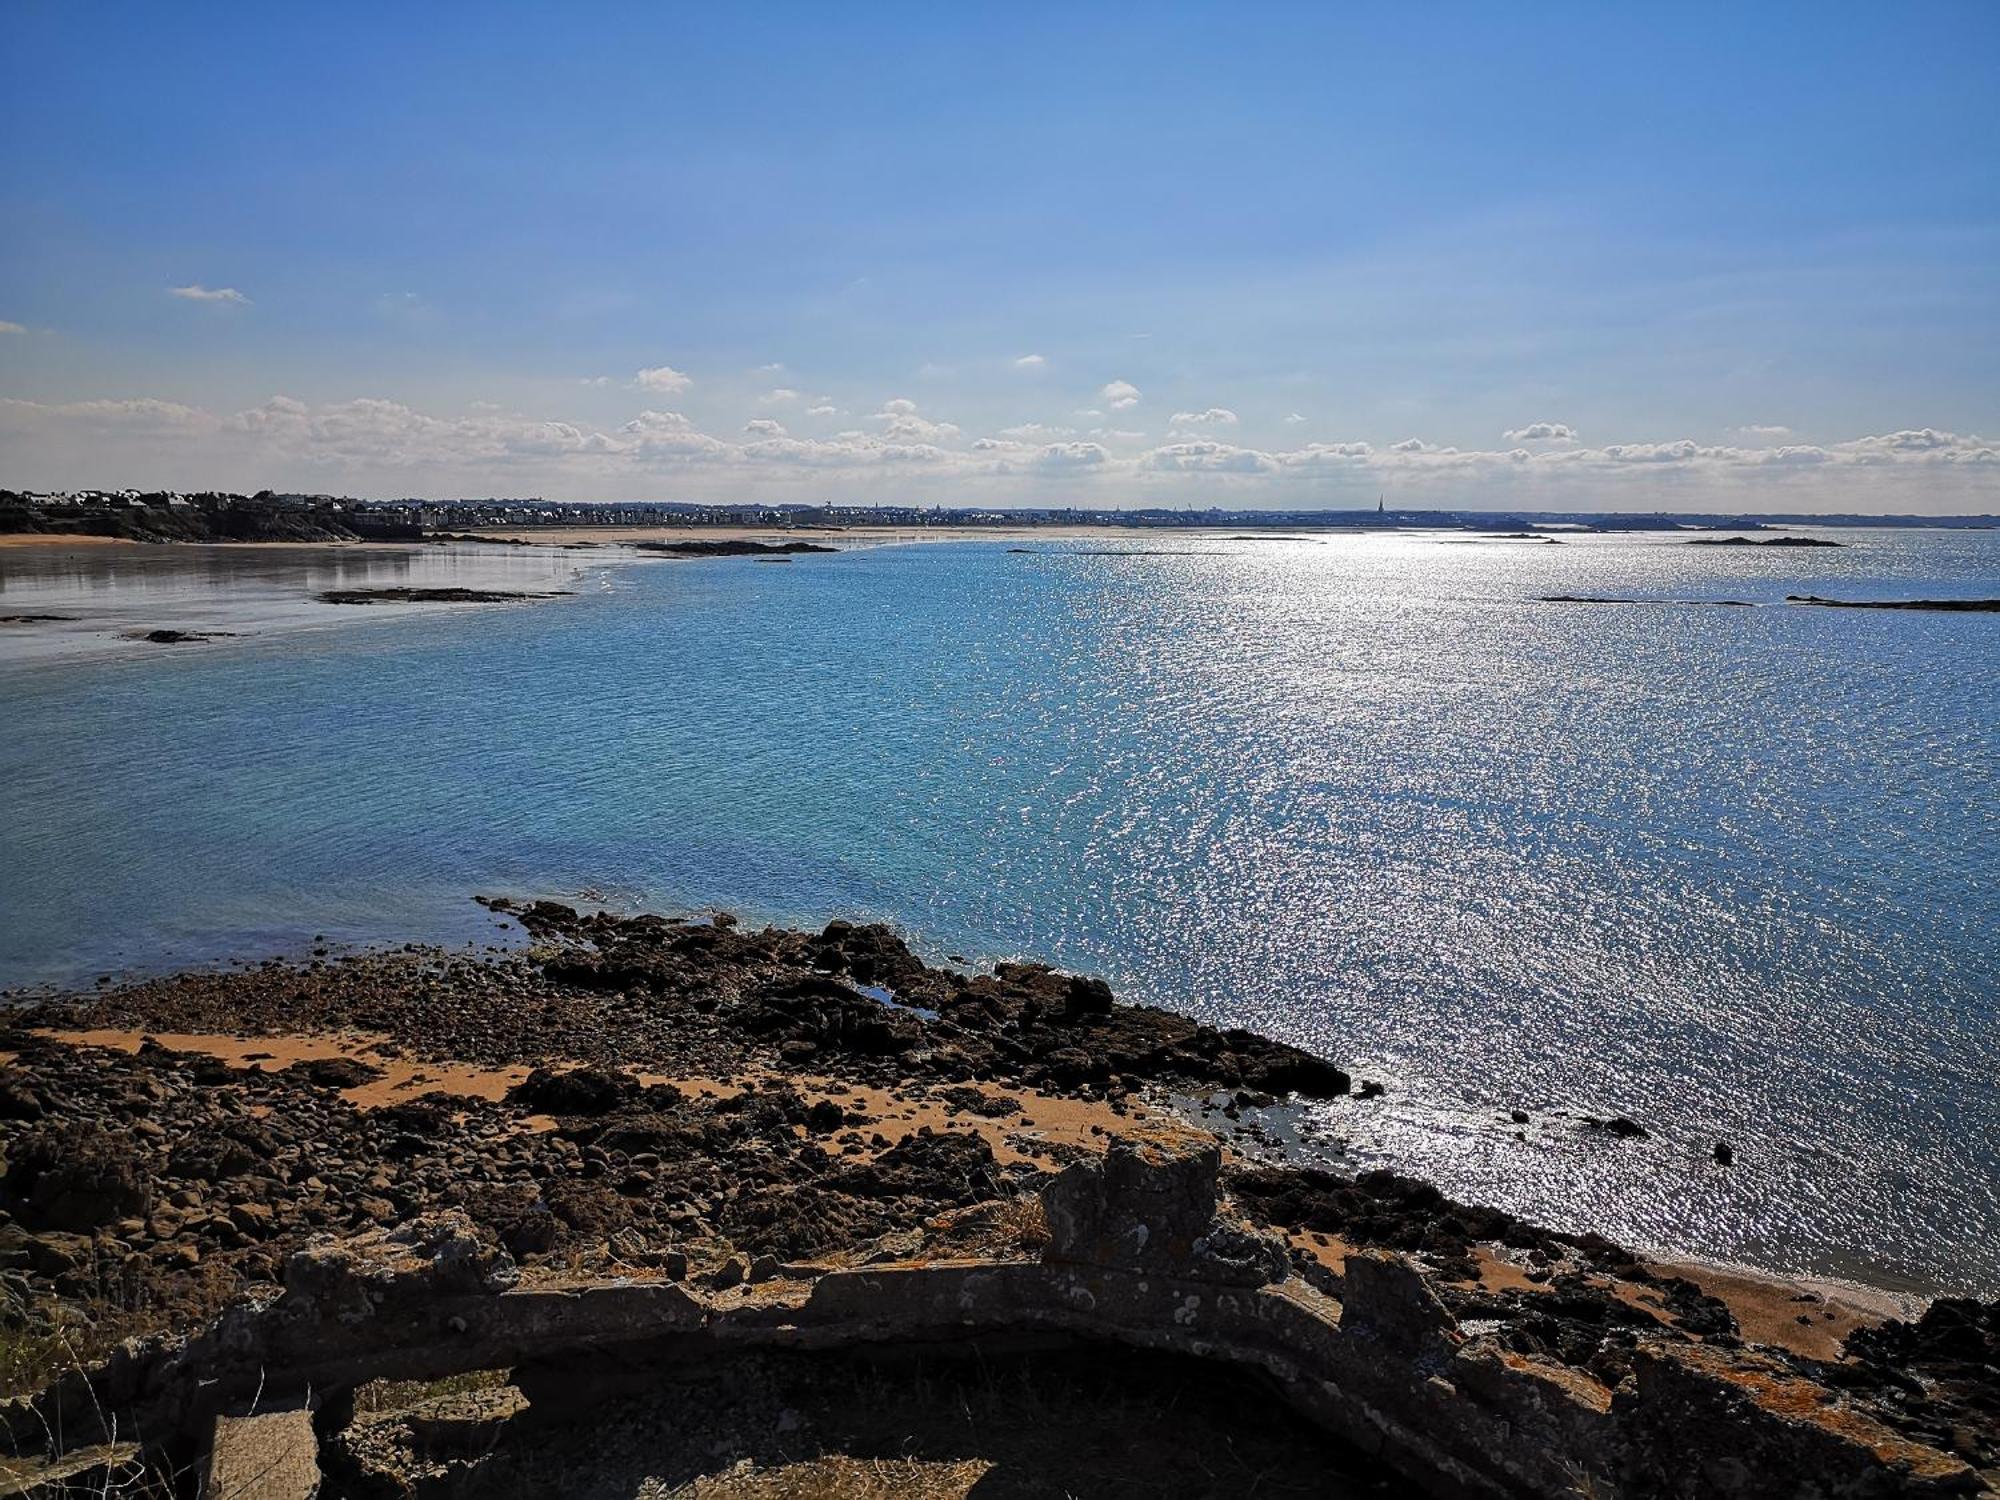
[(400, 1395)]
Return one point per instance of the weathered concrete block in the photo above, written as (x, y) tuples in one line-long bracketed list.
[(1385, 1299), (272, 1455), (1149, 1204), (1777, 1426), (1145, 1204)]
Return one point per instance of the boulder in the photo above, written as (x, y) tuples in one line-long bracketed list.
[(579, 1091), (336, 1072)]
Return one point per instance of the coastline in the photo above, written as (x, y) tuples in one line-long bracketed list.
[(683, 1094)]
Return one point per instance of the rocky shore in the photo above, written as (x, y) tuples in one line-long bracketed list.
[(691, 1103)]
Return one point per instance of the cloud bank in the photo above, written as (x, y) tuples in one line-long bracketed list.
[(904, 453)]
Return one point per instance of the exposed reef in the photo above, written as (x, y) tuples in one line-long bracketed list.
[(1763, 541), (732, 547), (1613, 599), (429, 596), (180, 637), (1961, 606)]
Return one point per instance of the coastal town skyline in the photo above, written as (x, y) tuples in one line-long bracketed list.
[(1293, 265)]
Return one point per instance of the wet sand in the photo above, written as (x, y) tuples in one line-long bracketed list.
[(85, 598), (62, 539)]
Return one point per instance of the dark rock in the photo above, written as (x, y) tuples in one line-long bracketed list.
[(79, 1177), (19, 1099), (1617, 1125), (337, 1072), (578, 1091), (1087, 997)]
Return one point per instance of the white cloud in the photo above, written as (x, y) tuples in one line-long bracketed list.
[(1205, 456), (385, 447), (662, 378), (1292, 418), (824, 409), (1761, 430), (1071, 457), (901, 424), (6, 327), (1542, 432), (1215, 416), (595, 380), (1030, 362), (1119, 394), (659, 421), (779, 396), (1915, 440), (774, 368), (1329, 455), (108, 418), (195, 292)]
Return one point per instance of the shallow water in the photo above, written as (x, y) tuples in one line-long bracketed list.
[(1727, 871), (104, 596)]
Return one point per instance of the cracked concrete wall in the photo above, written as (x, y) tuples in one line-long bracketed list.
[(1383, 1366)]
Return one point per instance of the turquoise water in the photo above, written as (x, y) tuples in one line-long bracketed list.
[(1728, 871)]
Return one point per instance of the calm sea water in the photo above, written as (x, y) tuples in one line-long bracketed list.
[(1731, 872)]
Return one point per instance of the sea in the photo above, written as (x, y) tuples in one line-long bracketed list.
[(1730, 870)]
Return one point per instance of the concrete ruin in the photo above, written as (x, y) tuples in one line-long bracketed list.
[(1138, 1256)]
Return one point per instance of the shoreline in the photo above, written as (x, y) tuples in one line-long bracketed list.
[(647, 1091), (1262, 1123)]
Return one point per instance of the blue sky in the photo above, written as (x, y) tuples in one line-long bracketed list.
[(1617, 257)]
